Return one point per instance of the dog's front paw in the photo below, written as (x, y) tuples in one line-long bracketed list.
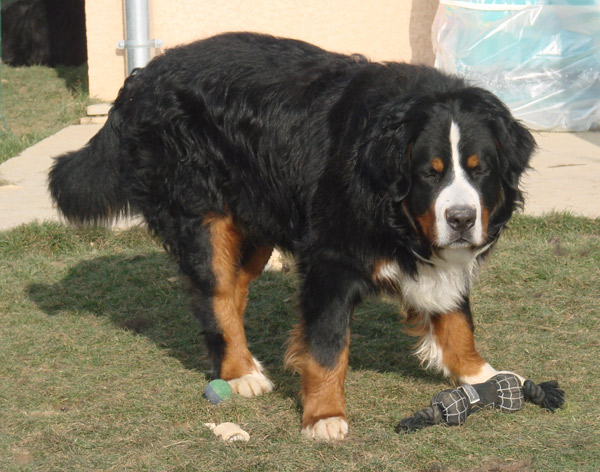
[(327, 429), (251, 385)]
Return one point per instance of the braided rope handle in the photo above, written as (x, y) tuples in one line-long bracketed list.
[(546, 394)]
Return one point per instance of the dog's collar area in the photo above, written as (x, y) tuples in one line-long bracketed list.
[(475, 251), (421, 258)]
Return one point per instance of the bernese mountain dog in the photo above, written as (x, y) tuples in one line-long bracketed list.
[(377, 177)]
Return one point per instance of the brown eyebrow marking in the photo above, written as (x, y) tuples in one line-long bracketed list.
[(473, 161), (437, 164)]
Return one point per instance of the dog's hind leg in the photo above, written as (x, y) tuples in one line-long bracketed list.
[(219, 294), (255, 382)]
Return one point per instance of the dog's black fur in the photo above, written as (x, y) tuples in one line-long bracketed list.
[(321, 154)]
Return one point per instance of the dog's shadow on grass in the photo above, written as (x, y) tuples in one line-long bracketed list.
[(143, 293)]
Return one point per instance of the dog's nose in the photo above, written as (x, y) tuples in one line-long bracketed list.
[(461, 218)]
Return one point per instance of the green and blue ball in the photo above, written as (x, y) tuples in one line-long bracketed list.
[(218, 390)]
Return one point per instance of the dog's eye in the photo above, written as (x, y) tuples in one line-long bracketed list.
[(431, 175), (433, 172), (475, 167), (477, 172)]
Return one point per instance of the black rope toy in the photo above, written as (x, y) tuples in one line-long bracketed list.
[(503, 391)]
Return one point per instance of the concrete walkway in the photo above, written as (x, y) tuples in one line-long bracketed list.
[(23, 190), (565, 176)]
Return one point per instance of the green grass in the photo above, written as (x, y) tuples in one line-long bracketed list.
[(102, 367), (37, 102)]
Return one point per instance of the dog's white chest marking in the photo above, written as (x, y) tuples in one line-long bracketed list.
[(437, 288)]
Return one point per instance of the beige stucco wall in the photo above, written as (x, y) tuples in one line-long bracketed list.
[(381, 29)]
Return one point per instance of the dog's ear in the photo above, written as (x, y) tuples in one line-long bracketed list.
[(514, 142), (515, 147), (387, 148)]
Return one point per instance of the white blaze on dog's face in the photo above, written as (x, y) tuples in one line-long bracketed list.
[(455, 184), (458, 206)]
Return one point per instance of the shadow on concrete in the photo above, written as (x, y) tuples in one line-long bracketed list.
[(592, 137)]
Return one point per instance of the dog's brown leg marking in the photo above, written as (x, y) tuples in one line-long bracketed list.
[(248, 272), (322, 388), (231, 289), (454, 336), (416, 324)]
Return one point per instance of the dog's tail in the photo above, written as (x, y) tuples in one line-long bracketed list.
[(86, 185)]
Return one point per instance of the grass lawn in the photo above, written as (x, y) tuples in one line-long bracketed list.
[(102, 368), (37, 102)]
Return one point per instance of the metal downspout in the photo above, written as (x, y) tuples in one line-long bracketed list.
[(138, 43)]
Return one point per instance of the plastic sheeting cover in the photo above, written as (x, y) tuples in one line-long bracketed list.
[(542, 58)]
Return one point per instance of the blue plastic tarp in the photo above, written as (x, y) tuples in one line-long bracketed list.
[(542, 58)]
